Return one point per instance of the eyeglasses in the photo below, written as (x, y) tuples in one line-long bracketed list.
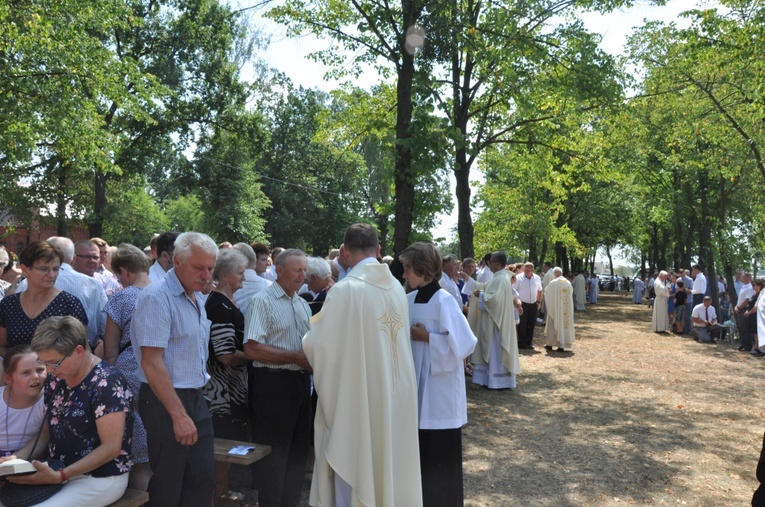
[(46, 271), (89, 257), (56, 366)]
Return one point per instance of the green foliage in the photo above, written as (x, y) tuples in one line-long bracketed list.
[(132, 216), (185, 214)]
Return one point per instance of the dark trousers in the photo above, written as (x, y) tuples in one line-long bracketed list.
[(697, 299), (747, 338), (526, 326), (282, 403), (758, 500), (183, 475), (441, 467)]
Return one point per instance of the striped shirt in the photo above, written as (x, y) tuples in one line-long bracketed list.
[(167, 318), (276, 320)]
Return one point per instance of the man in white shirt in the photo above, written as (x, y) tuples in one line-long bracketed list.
[(165, 249), (85, 288), (704, 319), (484, 274), (341, 264), (106, 277), (448, 275), (744, 294), (529, 288), (699, 289), (257, 262), (270, 273)]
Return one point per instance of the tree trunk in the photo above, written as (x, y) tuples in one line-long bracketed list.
[(532, 257), (61, 198), (543, 254), (96, 223), (404, 179)]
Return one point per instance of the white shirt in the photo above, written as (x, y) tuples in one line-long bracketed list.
[(270, 273), (156, 272), (449, 286), (699, 284), (90, 293), (528, 288), (342, 272), (704, 313), (484, 275), (253, 283), (744, 295)]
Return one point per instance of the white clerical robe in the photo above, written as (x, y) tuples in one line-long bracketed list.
[(580, 294), (366, 420), (660, 320), (498, 317), (638, 287), (761, 321), (546, 279), (594, 289), (438, 364), (559, 326)]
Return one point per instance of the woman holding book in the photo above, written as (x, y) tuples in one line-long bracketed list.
[(21, 400), (88, 421)]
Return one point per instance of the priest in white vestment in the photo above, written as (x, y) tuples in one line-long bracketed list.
[(366, 443), (760, 306), (492, 319), (580, 291), (559, 326), (660, 320), (594, 287), (638, 288)]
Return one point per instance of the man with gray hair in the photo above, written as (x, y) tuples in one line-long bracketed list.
[(559, 326), (318, 279), (280, 399), (449, 268), (253, 282), (85, 288), (170, 335)]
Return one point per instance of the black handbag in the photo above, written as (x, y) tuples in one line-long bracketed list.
[(23, 495)]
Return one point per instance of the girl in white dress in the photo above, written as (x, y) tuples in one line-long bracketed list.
[(21, 400)]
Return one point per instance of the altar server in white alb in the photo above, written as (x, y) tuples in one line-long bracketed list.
[(366, 419), (441, 340), (559, 326)]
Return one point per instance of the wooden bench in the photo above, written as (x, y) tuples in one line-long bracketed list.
[(132, 498), (223, 461)]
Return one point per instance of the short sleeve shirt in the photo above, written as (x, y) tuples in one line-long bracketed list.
[(21, 328), (73, 412), (166, 317)]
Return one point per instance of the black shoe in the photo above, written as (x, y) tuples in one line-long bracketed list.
[(560, 349), (548, 347)]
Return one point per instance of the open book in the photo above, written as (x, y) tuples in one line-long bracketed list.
[(16, 467)]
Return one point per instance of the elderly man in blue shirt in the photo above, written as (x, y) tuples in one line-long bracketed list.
[(170, 335)]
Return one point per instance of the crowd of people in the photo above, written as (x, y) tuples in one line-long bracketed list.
[(682, 304), (124, 364)]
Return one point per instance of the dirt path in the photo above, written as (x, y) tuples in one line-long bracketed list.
[(629, 417)]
